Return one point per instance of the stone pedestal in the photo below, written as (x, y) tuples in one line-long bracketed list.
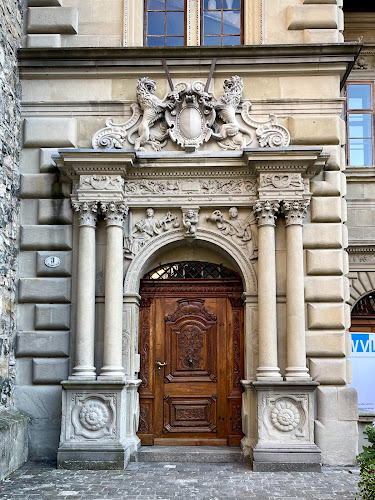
[(286, 427), (93, 428)]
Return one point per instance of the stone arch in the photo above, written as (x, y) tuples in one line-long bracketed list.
[(361, 283), (138, 266)]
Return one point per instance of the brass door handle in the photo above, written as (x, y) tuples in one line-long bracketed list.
[(160, 364)]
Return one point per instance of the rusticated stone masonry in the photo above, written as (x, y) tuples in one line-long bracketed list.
[(10, 38)]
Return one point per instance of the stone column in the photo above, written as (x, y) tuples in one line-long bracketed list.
[(85, 328), (294, 212), (112, 351), (266, 213)]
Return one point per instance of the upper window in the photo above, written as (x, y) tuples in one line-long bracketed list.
[(360, 124), (166, 21), (221, 22)]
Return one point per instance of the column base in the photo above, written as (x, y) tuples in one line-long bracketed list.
[(83, 373), (296, 374), (269, 373), (93, 426), (111, 372)]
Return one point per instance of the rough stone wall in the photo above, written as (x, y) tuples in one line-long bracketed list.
[(10, 38)]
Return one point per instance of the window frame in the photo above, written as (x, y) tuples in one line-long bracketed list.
[(145, 25), (221, 35), (355, 111)]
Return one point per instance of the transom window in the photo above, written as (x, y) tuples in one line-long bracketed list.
[(221, 22), (360, 124), (166, 20), (191, 270)]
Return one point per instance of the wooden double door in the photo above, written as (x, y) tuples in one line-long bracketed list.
[(191, 347)]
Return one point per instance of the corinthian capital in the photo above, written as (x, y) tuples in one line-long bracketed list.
[(87, 212), (295, 211), (266, 212), (114, 213)]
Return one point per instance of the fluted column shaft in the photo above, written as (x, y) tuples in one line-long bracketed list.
[(294, 212), (112, 351), (85, 327), (266, 215)]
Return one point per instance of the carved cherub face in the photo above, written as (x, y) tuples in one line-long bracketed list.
[(233, 213), (190, 214), (150, 212)]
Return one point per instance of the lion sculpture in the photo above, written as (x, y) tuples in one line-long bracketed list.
[(229, 134), (153, 109)]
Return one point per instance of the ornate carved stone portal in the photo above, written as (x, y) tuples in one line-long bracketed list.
[(190, 116)]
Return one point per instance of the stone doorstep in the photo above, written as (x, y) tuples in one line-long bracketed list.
[(189, 454)]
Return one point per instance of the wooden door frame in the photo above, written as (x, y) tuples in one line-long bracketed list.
[(232, 289)]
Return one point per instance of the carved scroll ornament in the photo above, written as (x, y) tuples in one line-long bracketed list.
[(190, 116)]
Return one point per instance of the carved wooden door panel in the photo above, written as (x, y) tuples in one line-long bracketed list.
[(191, 347)]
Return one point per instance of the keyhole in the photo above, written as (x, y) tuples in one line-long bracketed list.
[(190, 361)]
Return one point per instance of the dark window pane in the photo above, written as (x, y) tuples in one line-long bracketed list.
[(175, 40), (360, 125), (175, 4), (155, 41), (360, 152), (175, 23), (212, 4), (156, 4), (232, 4), (359, 96), (212, 23), (231, 23), (212, 40), (231, 40), (155, 23)]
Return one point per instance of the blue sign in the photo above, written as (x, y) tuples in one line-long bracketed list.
[(363, 364)]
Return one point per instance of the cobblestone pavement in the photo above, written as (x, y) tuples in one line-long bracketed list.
[(182, 481)]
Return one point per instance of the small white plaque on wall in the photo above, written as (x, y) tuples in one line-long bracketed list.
[(52, 261)]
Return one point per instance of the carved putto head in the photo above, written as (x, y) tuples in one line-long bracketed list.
[(233, 85), (146, 84)]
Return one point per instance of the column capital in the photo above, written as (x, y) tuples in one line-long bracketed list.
[(266, 212), (294, 211), (87, 212), (114, 213)]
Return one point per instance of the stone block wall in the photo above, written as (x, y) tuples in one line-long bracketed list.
[(10, 94)]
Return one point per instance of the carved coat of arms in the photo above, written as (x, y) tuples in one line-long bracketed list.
[(190, 116)]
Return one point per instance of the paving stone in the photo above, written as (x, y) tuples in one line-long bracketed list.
[(165, 481)]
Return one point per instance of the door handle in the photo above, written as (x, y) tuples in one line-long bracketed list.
[(160, 364)]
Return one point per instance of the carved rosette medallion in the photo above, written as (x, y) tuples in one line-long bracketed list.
[(266, 212), (114, 213), (285, 415), (87, 212), (295, 211), (93, 416)]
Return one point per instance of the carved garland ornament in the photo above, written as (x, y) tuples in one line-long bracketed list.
[(190, 116)]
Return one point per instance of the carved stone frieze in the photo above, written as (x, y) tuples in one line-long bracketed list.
[(190, 116), (105, 187), (295, 211), (146, 229), (281, 185), (114, 213), (214, 186), (87, 212), (190, 220), (242, 231), (266, 212)]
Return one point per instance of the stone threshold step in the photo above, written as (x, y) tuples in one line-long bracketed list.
[(192, 454)]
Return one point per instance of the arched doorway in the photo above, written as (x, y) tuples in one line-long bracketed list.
[(191, 346), (363, 314)]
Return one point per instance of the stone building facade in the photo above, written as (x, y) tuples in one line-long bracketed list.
[(182, 263)]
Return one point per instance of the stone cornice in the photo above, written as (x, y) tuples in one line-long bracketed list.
[(247, 59), (360, 174)]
